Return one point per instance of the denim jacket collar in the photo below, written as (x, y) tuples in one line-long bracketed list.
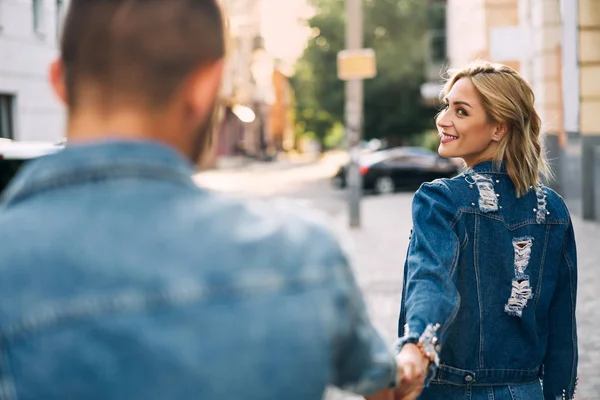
[(100, 161), (488, 167)]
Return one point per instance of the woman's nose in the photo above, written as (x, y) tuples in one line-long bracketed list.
[(443, 121)]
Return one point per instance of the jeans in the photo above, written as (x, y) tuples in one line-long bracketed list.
[(530, 391)]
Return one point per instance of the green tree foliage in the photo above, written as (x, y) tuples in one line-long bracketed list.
[(395, 29)]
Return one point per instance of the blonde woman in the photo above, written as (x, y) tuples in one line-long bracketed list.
[(490, 280)]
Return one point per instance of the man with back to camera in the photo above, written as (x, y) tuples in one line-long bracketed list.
[(123, 280)]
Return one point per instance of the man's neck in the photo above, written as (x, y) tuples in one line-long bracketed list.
[(90, 126), (93, 126)]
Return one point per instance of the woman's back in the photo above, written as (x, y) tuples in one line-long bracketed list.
[(512, 268), (510, 262)]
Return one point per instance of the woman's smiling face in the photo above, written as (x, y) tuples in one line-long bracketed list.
[(464, 127)]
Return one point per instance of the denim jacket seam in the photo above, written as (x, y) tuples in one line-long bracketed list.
[(131, 302), (454, 266), (476, 384), (477, 284), (99, 174), (465, 242), (542, 263), (452, 272), (490, 370), (572, 378), (451, 318), (469, 210), (512, 227), (484, 171)]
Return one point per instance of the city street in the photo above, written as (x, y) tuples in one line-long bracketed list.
[(305, 182), (251, 91), (378, 248)]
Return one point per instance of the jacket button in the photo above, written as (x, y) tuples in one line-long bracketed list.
[(468, 378)]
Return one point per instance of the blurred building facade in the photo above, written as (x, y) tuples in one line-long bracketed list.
[(282, 113), (555, 45), (252, 81), (29, 32), (29, 39), (436, 53)]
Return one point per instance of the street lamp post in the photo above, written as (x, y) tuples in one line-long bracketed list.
[(354, 65), (354, 110)]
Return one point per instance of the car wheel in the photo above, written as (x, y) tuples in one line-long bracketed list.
[(385, 185), (337, 182)]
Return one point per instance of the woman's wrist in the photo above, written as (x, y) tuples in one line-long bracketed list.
[(427, 342)]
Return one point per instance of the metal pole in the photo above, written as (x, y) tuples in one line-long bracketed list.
[(354, 111)]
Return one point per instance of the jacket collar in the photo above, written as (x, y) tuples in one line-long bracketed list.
[(488, 167), (110, 159)]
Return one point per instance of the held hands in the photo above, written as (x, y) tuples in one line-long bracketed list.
[(385, 394), (412, 371)]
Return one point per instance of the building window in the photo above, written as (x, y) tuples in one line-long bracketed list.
[(1, 15), (6, 116), (435, 48), (60, 13), (38, 16), (437, 31)]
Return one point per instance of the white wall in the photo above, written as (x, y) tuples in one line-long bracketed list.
[(24, 58), (466, 31), (570, 72)]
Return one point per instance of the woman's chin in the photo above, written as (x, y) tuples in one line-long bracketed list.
[(444, 151)]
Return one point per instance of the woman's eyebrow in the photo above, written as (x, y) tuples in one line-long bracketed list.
[(457, 102)]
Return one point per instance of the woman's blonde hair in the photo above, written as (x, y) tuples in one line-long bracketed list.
[(509, 100)]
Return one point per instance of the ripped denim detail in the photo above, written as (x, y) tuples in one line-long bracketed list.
[(541, 211), (429, 343), (521, 291), (488, 200), (565, 396)]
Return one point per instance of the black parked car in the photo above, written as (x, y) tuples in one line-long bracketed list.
[(401, 167), (13, 154)]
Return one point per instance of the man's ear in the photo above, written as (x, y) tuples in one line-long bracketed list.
[(56, 76), (204, 87), (500, 132)]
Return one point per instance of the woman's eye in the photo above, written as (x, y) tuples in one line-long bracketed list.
[(461, 112)]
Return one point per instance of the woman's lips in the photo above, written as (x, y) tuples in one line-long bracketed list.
[(448, 138)]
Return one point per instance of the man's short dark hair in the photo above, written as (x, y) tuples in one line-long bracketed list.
[(138, 51)]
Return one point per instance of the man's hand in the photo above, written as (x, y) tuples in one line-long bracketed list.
[(412, 369), (385, 394)]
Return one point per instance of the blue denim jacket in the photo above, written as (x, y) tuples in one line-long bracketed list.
[(496, 278), (120, 279)]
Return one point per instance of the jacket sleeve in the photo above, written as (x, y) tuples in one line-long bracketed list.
[(560, 361), (363, 362), (430, 298)]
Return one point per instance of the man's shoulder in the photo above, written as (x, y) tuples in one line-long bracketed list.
[(277, 224)]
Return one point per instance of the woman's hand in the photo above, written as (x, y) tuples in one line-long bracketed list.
[(413, 365)]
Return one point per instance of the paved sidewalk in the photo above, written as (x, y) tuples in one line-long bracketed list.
[(379, 249), (259, 178), (281, 161)]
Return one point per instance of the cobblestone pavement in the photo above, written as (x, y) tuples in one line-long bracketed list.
[(379, 249)]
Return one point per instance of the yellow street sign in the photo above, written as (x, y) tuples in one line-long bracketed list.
[(356, 64)]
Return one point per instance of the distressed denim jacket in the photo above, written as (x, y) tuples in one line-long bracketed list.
[(490, 283), (120, 279)]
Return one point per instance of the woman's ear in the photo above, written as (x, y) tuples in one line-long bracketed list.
[(500, 132)]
